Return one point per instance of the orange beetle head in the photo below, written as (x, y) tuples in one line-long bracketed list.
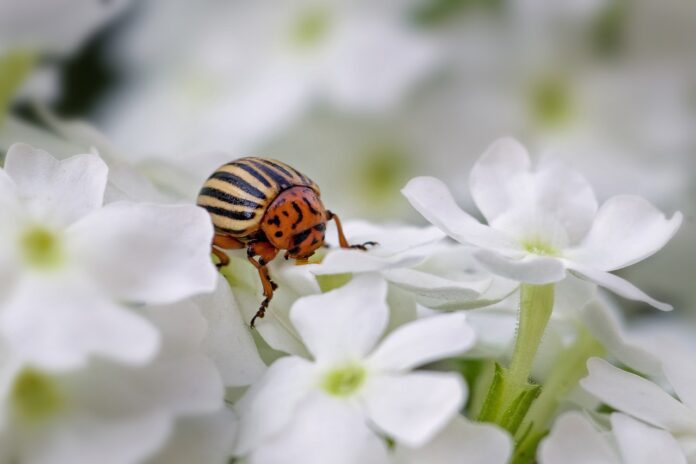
[(296, 221)]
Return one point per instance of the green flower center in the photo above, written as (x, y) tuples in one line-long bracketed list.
[(311, 28), (539, 247), (551, 102), (41, 248), (345, 380), (35, 396)]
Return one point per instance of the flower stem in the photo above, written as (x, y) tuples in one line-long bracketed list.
[(536, 306)]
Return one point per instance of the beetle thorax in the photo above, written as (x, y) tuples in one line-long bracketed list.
[(296, 221)]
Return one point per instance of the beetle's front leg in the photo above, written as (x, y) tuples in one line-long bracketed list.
[(330, 216), (224, 242), (266, 252)]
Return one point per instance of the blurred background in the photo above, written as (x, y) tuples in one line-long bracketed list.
[(362, 95)]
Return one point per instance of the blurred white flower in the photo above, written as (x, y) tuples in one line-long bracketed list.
[(574, 439), (461, 441), (327, 409), (108, 412), (244, 70), (543, 223), (644, 400), (70, 267), (58, 26)]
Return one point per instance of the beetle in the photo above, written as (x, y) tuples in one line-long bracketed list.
[(266, 206)]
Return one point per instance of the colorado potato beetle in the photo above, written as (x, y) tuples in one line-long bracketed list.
[(266, 206)]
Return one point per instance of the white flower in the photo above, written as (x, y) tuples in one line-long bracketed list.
[(69, 266), (461, 441), (246, 70), (58, 26), (544, 223), (575, 440), (327, 409), (644, 400), (108, 412)]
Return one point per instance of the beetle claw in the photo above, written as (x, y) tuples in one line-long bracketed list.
[(363, 246)]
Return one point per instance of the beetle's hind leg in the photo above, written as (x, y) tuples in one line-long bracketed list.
[(224, 242), (342, 237), (266, 252)]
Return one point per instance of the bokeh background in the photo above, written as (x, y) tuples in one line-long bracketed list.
[(362, 95)]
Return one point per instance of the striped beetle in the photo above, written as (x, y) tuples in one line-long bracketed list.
[(266, 206)]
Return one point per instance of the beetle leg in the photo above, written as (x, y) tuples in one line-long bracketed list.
[(342, 237), (266, 252), (224, 242)]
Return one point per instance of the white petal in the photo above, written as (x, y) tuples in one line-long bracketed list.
[(574, 440), (641, 444), (616, 284), (627, 229), (431, 197), (58, 324), (349, 261), (680, 369), (413, 408), (205, 439), (84, 438), (495, 178), (228, 341), (147, 253), (604, 326), (56, 192), (527, 268), (479, 443), (637, 396), (343, 324), (271, 403), (323, 431), (424, 341)]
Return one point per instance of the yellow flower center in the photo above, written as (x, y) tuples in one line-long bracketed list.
[(35, 396), (311, 28), (41, 248), (551, 102), (345, 380)]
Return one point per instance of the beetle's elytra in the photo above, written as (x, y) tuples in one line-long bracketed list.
[(266, 206)]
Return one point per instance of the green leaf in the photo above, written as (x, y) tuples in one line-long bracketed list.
[(513, 415), (494, 400)]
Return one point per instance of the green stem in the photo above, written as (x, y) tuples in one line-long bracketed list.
[(569, 368), (15, 66), (536, 306)]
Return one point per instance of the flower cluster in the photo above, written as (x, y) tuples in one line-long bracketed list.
[(454, 341)]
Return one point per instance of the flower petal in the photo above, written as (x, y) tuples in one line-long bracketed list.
[(495, 178), (605, 326), (627, 230), (574, 440), (322, 431), (343, 324), (641, 444), (147, 253), (229, 342), (616, 284), (681, 374), (423, 341), (527, 268), (204, 439), (59, 324), (480, 443), (272, 402), (637, 396), (56, 192), (431, 197), (413, 408), (502, 181)]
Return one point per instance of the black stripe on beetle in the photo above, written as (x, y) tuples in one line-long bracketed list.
[(228, 198), (253, 172), (301, 237), (283, 183), (239, 182), (309, 205), (279, 168), (237, 215)]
